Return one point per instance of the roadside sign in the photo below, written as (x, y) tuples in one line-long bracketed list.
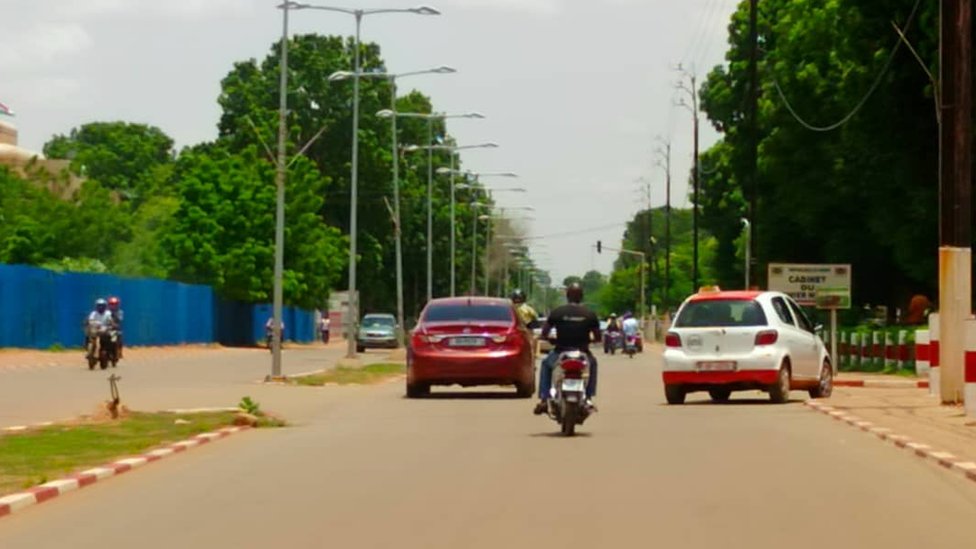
[(824, 286)]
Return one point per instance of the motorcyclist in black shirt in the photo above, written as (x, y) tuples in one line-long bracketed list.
[(576, 327)]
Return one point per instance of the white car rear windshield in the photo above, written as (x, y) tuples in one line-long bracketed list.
[(720, 313), (474, 312)]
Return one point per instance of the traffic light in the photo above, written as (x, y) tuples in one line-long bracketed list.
[(599, 246)]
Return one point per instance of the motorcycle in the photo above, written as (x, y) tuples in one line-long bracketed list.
[(567, 404), (630, 346), (102, 345), (611, 342)]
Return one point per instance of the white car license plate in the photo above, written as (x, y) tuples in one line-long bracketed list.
[(467, 341), (572, 385), (717, 366)]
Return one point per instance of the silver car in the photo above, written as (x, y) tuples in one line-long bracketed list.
[(736, 341), (377, 331)]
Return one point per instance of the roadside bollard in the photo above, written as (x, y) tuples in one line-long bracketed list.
[(890, 352), (969, 392), (854, 353), (903, 355), (935, 381), (842, 350), (877, 351), (921, 353)]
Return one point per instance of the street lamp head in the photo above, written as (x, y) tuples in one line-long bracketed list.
[(443, 69), (474, 114), (425, 10), (412, 148), (445, 171), (484, 217), (340, 75), (385, 113), (292, 6)]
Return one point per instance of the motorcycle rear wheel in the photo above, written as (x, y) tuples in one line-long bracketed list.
[(103, 363), (569, 419)]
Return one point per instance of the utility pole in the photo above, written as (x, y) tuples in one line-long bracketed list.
[(664, 161), (692, 92), (752, 117), (955, 252)]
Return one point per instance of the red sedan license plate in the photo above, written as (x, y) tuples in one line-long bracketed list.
[(718, 366), (467, 341)]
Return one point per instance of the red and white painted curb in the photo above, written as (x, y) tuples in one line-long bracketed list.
[(883, 383), (945, 459), (39, 494)]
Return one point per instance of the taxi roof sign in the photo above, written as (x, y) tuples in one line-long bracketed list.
[(709, 289)]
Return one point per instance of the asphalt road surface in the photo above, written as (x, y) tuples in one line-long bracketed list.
[(171, 379), (366, 468)]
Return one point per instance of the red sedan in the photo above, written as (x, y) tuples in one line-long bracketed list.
[(470, 341)]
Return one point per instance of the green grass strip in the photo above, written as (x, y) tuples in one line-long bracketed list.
[(37, 456), (367, 375)]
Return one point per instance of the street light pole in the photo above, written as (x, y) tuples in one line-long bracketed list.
[(453, 229), (354, 184), (279, 260), (748, 227)]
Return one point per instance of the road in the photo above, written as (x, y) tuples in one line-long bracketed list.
[(368, 468), (169, 379)]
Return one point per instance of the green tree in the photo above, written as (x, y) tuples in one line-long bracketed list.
[(122, 156), (223, 230)]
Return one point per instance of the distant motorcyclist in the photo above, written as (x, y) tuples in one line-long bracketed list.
[(612, 332), (102, 320), (269, 331), (613, 325), (526, 313), (576, 327), (115, 307), (630, 325)]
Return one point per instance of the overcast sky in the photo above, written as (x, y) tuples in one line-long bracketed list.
[(575, 91)]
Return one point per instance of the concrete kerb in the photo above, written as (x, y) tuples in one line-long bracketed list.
[(944, 459), (18, 501)]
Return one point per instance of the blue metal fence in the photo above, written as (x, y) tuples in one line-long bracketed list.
[(40, 308)]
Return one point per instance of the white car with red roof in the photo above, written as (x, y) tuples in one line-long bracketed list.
[(725, 341)]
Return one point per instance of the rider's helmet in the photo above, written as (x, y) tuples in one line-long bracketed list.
[(101, 305), (518, 296), (113, 303), (574, 293), (613, 316)]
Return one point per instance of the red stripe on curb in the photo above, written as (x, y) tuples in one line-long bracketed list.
[(84, 480), (971, 475), (43, 493), (120, 468), (970, 366), (151, 458), (4, 510), (848, 383), (177, 448)]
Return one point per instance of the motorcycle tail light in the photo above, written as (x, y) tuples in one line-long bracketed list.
[(573, 366), (672, 340), (766, 337)]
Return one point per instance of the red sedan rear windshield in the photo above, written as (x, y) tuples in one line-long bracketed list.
[(720, 313), (477, 312)]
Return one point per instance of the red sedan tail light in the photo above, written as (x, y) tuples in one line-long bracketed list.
[(672, 340), (766, 337)]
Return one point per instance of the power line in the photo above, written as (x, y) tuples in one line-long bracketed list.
[(857, 108), (578, 231)]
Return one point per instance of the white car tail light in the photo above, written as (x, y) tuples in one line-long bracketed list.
[(766, 337)]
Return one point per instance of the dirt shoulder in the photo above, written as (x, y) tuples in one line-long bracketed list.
[(913, 413)]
